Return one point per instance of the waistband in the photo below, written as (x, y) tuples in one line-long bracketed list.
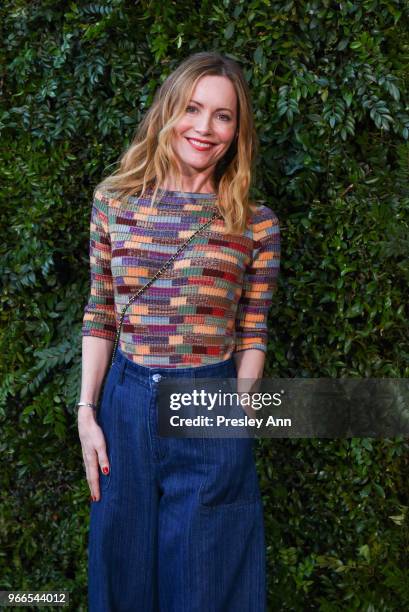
[(148, 376)]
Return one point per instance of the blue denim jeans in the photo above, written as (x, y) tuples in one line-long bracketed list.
[(179, 526)]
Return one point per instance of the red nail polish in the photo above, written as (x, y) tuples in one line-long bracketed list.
[(105, 470)]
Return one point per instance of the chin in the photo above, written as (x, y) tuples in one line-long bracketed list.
[(194, 165)]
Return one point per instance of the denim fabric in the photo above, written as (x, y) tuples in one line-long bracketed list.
[(179, 526)]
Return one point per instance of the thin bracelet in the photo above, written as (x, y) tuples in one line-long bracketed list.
[(86, 404)]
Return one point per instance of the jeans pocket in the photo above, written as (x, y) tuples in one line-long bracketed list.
[(231, 478), (228, 541), (243, 504)]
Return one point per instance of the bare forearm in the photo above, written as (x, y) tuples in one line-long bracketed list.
[(96, 355), (250, 363), (250, 368)]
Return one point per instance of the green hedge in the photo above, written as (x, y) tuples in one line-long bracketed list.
[(330, 88)]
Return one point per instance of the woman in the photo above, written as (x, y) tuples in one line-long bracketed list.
[(177, 523)]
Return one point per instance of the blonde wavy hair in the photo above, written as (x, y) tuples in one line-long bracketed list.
[(150, 156)]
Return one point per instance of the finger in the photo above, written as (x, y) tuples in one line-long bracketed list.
[(93, 481), (91, 467), (86, 470), (84, 463), (103, 460)]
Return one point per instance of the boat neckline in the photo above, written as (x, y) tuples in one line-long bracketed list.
[(196, 194)]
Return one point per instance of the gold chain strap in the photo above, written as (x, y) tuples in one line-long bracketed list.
[(148, 284)]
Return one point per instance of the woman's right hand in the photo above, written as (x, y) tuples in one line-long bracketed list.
[(93, 448)]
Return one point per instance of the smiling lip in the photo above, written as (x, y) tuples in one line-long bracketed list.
[(199, 147)]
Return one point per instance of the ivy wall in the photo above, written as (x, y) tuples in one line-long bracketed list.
[(330, 87)]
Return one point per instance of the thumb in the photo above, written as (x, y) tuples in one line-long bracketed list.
[(103, 461)]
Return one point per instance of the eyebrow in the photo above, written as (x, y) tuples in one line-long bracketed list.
[(222, 108)]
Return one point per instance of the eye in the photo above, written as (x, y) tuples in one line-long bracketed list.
[(226, 117), (190, 107)]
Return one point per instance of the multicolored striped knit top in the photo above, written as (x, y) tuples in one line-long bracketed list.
[(211, 301)]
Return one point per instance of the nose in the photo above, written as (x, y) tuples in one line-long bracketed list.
[(203, 125)]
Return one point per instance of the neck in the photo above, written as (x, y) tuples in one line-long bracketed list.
[(189, 184)]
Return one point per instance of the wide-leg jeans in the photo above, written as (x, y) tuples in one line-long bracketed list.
[(179, 526)]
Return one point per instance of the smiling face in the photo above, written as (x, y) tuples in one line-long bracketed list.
[(208, 127)]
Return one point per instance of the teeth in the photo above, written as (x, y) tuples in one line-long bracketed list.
[(202, 145)]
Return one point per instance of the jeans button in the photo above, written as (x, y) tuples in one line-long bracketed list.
[(156, 377)]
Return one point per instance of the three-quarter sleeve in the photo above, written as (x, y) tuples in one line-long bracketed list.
[(259, 284), (99, 312)]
